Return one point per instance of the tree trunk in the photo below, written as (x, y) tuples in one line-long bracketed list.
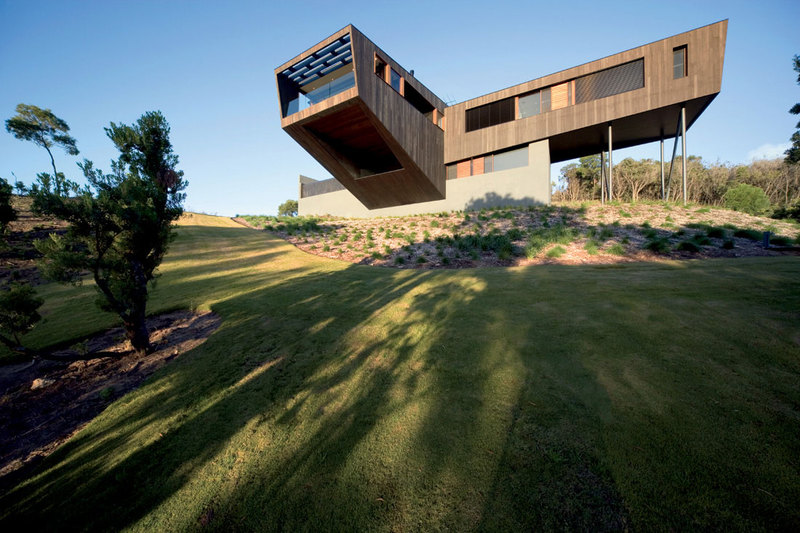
[(135, 325)]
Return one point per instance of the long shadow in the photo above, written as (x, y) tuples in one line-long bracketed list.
[(343, 397)]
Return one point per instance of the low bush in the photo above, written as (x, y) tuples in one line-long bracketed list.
[(747, 198), (541, 237), (688, 246), (658, 245), (752, 234), (556, 252)]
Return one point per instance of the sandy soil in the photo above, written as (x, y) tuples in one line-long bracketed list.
[(44, 402), (416, 241)]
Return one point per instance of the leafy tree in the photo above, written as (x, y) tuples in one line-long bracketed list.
[(288, 208), (748, 199), (18, 314), (120, 225), (43, 128), (793, 153), (7, 213)]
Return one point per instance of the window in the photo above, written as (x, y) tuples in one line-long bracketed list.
[(529, 105), (395, 81), (380, 67), (679, 66), (485, 164), (317, 77), (490, 114), (611, 81)]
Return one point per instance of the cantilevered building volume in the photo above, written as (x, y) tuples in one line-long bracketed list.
[(395, 148)]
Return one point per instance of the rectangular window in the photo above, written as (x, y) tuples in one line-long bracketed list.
[(546, 100), (488, 163), (611, 81), (679, 67), (451, 172), (490, 114), (529, 105), (394, 80), (380, 68), (511, 159)]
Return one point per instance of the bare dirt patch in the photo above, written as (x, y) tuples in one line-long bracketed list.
[(599, 234), (44, 402)]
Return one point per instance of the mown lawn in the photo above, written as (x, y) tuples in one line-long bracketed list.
[(341, 397)]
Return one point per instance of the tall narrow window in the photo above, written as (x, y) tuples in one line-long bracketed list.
[(679, 66), (394, 80), (380, 67)]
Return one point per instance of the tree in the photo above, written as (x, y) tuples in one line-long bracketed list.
[(793, 153), (18, 314), (120, 225), (44, 129), (748, 199), (7, 213), (288, 208)]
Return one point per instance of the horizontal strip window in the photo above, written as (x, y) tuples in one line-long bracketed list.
[(608, 82), (489, 163), (490, 114), (615, 80)]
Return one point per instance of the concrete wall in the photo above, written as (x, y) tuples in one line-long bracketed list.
[(519, 186)]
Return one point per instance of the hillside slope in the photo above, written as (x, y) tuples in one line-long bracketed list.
[(336, 396)]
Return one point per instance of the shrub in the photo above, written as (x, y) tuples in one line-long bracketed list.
[(727, 244), (688, 246), (747, 198), (556, 252), (616, 249), (658, 245), (716, 233), (591, 247), (752, 234), (780, 240), (541, 237), (700, 239), (18, 313)]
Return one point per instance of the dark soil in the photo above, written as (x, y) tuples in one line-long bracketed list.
[(44, 402)]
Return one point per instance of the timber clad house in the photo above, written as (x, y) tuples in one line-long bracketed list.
[(395, 148)]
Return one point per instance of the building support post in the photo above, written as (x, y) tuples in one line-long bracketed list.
[(683, 150), (602, 176), (610, 165), (663, 191), (678, 130)]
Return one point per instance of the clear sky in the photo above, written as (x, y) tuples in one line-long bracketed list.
[(208, 66)]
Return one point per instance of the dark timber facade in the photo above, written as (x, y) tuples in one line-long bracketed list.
[(394, 147)]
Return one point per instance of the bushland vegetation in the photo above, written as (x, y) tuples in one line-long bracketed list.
[(707, 183)]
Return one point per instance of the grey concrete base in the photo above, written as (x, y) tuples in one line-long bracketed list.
[(519, 186)]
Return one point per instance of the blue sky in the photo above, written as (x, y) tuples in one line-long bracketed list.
[(208, 66)]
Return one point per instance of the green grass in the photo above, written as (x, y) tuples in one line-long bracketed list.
[(343, 397)]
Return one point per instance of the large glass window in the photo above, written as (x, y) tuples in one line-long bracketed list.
[(529, 105), (490, 114), (679, 62), (325, 73), (511, 159)]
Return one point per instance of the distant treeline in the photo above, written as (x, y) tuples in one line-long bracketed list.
[(637, 180)]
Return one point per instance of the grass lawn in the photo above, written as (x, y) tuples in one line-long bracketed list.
[(335, 396)]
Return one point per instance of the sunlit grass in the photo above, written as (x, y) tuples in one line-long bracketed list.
[(333, 396)]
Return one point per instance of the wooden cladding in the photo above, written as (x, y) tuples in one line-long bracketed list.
[(559, 95)]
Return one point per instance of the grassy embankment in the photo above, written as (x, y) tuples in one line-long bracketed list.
[(334, 396)]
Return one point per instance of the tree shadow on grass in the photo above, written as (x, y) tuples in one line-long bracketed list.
[(343, 397)]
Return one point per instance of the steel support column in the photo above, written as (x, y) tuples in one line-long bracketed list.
[(602, 176), (610, 165), (683, 150), (663, 190)]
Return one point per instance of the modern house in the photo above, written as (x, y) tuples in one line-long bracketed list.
[(396, 148)]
